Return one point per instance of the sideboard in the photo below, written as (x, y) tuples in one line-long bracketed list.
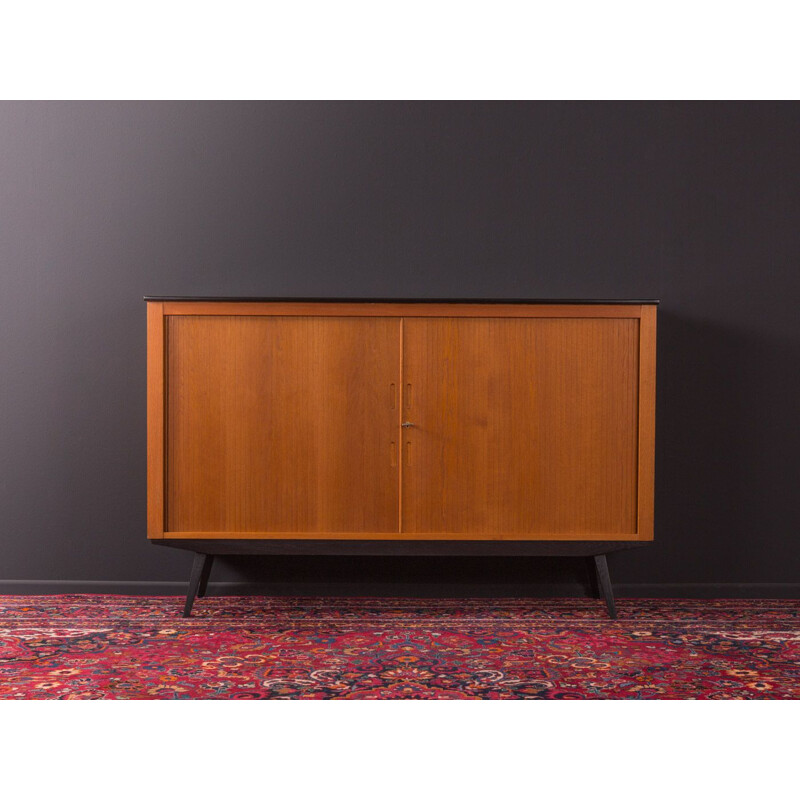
[(400, 427)]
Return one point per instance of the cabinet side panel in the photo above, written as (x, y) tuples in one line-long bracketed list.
[(155, 421), (282, 424), (523, 428), (647, 420)]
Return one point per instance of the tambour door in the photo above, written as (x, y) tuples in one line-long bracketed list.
[(520, 428), (281, 425)]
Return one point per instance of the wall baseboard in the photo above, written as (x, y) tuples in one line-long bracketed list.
[(367, 589)]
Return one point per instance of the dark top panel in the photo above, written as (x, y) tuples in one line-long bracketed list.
[(173, 299)]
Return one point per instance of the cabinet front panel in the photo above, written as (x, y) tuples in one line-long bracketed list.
[(283, 424), (522, 428)]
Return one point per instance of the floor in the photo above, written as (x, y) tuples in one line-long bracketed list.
[(109, 646)]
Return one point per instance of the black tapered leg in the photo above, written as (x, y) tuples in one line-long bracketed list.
[(198, 567), (204, 576), (603, 578)]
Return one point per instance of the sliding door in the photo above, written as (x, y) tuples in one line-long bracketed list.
[(520, 428), (279, 424)]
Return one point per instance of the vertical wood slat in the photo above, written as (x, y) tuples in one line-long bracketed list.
[(401, 404), (155, 420), (647, 421)]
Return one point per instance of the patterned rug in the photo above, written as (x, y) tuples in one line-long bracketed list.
[(103, 646)]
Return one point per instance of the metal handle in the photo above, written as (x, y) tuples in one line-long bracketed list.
[(407, 425)]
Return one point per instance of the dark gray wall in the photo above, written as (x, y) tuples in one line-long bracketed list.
[(695, 203)]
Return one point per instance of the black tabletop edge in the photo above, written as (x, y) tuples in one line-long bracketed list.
[(505, 301)]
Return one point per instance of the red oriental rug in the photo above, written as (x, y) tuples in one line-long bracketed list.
[(102, 646)]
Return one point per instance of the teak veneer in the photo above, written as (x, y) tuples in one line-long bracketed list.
[(471, 427)]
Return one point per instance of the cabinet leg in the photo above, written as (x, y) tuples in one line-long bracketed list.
[(603, 578), (198, 568), (204, 576)]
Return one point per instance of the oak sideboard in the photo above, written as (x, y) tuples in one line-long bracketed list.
[(400, 427)]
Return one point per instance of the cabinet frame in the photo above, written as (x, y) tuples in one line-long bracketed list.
[(208, 544), (157, 386)]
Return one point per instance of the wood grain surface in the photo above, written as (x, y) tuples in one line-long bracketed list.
[(155, 420), (647, 421), (534, 423), (282, 424), (522, 427), (345, 309)]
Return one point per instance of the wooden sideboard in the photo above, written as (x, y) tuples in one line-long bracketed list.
[(361, 426)]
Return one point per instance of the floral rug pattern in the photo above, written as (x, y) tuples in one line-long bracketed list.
[(120, 647)]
